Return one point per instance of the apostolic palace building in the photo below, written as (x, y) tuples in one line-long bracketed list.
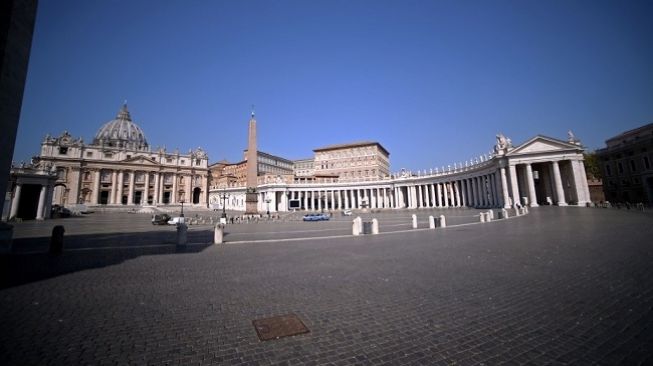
[(118, 169)]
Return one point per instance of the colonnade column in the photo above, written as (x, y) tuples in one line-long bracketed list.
[(504, 187), (513, 185), (532, 196), (15, 201), (458, 201), (560, 193), (41, 206), (96, 188)]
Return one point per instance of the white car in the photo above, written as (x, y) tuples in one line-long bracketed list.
[(176, 220), (346, 213)]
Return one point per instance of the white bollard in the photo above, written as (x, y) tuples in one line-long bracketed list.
[(182, 234), (356, 226), (375, 226), (491, 215), (218, 234), (525, 209), (505, 213), (482, 216), (414, 221), (517, 211), (443, 221), (431, 222)]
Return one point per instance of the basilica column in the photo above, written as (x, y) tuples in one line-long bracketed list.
[(15, 201), (513, 185), (96, 188), (161, 189), (41, 206), (146, 192), (114, 188), (560, 193), (155, 194), (532, 196), (121, 183), (130, 197), (174, 194)]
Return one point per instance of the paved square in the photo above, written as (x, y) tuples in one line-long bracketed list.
[(559, 286)]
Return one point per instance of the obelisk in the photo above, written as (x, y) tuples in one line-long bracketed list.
[(251, 197)]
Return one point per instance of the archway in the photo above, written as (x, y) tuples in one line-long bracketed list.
[(196, 195)]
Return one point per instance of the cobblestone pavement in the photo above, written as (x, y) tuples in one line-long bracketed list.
[(559, 286)]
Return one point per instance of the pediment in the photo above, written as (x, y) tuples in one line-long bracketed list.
[(542, 144), (143, 160)]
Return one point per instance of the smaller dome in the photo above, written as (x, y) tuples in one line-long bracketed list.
[(121, 132)]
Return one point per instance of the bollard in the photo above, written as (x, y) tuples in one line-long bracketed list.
[(490, 215), (182, 234), (356, 226), (431, 222), (414, 221), (482, 216), (443, 221), (375, 226), (517, 211), (56, 240), (218, 234), (504, 214), (525, 209)]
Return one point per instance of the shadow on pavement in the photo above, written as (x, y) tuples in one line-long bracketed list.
[(30, 261)]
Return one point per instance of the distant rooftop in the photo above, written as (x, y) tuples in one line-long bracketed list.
[(351, 145)]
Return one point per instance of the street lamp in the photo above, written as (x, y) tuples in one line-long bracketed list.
[(182, 207), (224, 197), (268, 200)]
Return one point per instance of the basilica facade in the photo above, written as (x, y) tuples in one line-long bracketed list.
[(119, 169)]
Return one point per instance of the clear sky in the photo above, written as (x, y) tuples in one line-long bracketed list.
[(432, 81)]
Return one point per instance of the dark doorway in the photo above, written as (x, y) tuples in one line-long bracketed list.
[(124, 200), (166, 197), (149, 200), (104, 197), (196, 195), (29, 201), (137, 197)]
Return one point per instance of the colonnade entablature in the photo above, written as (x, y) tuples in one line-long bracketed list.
[(542, 170)]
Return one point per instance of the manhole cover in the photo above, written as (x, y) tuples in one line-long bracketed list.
[(279, 326)]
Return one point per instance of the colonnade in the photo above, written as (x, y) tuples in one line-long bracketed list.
[(44, 201)]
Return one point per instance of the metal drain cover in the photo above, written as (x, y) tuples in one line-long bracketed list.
[(279, 326)]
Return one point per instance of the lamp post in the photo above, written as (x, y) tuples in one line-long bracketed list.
[(224, 197), (267, 201), (182, 207)]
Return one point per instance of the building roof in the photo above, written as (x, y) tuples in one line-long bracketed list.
[(121, 132), (630, 133), (351, 145)]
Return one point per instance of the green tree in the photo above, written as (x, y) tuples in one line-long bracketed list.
[(592, 166)]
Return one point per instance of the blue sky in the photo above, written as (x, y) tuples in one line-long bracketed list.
[(433, 81)]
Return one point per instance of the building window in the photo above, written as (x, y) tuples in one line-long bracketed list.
[(129, 156), (63, 150), (168, 160), (182, 162), (108, 155), (608, 171), (647, 163), (621, 167), (89, 154), (633, 168)]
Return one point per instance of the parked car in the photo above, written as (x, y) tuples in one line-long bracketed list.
[(346, 213), (176, 220), (60, 211), (160, 219), (316, 217)]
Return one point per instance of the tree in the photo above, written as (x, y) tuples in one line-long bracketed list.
[(592, 166)]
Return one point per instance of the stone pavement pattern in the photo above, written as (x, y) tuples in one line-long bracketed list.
[(559, 286)]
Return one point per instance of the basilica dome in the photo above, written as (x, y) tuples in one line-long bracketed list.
[(121, 132)]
